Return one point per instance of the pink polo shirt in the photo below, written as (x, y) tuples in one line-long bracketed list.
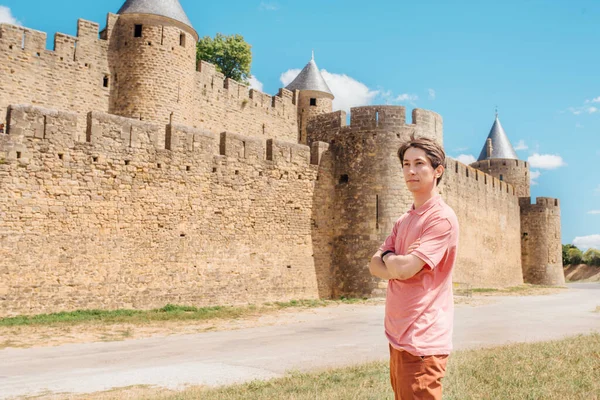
[(419, 311)]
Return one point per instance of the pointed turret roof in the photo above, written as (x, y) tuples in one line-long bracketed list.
[(164, 8), (310, 79), (501, 147)]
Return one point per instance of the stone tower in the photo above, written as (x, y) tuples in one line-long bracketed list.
[(152, 59), (314, 96), (498, 158), (541, 249)]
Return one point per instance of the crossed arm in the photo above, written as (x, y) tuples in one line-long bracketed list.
[(394, 266)]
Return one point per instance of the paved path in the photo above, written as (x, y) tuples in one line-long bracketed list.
[(332, 336)]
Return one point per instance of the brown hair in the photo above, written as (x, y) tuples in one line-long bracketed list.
[(435, 153)]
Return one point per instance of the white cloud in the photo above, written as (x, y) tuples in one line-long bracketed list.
[(288, 76), (431, 94), (586, 242), (594, 100), (268, 6), (533, 177), (521, 145), (256, 84), (348, 91), (465, 159), (594, 212), (406, 97), (584, 109), (6, 16), (546, 161)]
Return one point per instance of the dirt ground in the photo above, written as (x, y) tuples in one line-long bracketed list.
[(582, 273), (57, 335)]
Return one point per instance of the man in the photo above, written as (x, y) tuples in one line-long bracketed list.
[(417, 259)]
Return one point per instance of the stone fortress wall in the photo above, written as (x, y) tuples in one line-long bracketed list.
[(140, 215), (196, 191), (116, 72)]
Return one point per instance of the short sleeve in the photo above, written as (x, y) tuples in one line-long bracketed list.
[(435, 242), (390, 242)]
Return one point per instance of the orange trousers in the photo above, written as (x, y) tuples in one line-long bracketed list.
[(415, 377)]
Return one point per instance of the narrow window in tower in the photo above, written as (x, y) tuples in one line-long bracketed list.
[(313, 102), (344, 179), (182, 40), (138, 31), (501, 177), (377, 118), (105, 81)]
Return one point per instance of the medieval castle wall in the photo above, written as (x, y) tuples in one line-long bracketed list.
[(370, 195), (154, 78), (141, 215), (70, 78), (489, 216)]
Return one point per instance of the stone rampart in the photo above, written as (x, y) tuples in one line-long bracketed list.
[(122, 213), (115, 72), (541, 241), (515, 172), (488, 214), (70, 77), (224, 104)]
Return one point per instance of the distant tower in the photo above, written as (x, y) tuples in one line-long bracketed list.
[(314, 96), (152, 57), (498, 158)]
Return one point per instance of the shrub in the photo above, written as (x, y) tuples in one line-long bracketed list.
[(574, 256), (592, 257)]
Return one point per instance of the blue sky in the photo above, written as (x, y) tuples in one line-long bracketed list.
[(537, 61)]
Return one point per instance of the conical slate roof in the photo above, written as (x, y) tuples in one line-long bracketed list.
[(501, 147), (165, 8), (310, 79)]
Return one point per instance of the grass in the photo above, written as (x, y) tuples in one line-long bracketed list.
[(557, 370), (169, 312)]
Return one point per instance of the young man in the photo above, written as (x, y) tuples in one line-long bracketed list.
[(417, 259)]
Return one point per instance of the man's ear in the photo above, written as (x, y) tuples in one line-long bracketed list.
[(439, 171)]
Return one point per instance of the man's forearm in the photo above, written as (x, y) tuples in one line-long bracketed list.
[(402, 267), (378, 268)]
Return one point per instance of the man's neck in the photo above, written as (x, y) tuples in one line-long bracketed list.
[(422, 198)]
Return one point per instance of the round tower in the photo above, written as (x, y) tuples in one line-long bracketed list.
[(152, 56), (498, 158), (314, 96), (541, 247)]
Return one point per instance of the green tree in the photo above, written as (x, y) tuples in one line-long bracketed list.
[(574, 256), (565, 255), (231, 55), (592, 257)]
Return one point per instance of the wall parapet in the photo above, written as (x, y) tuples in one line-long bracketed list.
[(541, 203), (500, 162), (107, 132), (482, 179)]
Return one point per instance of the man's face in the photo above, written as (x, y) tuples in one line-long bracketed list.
[(419, 174)]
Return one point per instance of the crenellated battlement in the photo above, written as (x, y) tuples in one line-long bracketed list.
[(33, 42), (108, 133), (476, 178), (500, 163), (375, 117), (211, 80), (541, 203)]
